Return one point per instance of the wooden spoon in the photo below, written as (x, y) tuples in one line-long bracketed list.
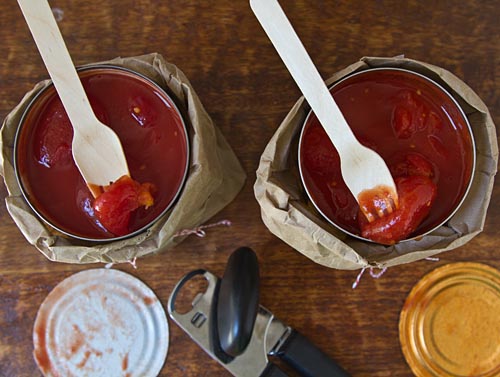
[(364, 171), (97, 150)]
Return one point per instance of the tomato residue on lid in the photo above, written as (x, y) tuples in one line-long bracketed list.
[(100, 322), (40, 352), (125, 363)]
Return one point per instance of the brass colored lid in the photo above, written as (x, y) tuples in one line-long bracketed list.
[(450, 322)]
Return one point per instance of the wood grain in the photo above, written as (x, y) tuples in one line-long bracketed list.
[(247, 90)]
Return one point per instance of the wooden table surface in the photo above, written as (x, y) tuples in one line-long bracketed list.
[(247, 90)]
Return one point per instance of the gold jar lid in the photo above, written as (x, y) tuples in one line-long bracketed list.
[(450, 322)]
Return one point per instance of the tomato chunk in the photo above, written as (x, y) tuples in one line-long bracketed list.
[(322, 157), (114, 207), (413, 164), (55, 136), (411, 116), (416, 196)]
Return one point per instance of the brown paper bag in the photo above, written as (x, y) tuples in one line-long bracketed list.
[(215, 177), (287, 213)]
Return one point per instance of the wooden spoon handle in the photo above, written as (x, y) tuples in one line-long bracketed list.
[(299, 64), (55, 55)]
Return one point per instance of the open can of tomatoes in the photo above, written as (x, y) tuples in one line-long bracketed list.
[(154, 139), (164, 130), (426, 124), (421, 133)]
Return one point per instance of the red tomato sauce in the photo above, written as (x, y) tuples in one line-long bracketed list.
[(416, 129), (152, 135)]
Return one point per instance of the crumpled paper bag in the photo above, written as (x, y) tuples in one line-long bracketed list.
[(287, 212), (215, 177)]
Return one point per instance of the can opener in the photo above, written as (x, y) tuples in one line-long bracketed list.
[(228, 323)]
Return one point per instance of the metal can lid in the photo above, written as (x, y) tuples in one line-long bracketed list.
[(101, 322), (450, 322)]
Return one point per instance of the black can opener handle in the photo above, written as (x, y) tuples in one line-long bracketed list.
[(307, 359), (237, 304), (237, 307)]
